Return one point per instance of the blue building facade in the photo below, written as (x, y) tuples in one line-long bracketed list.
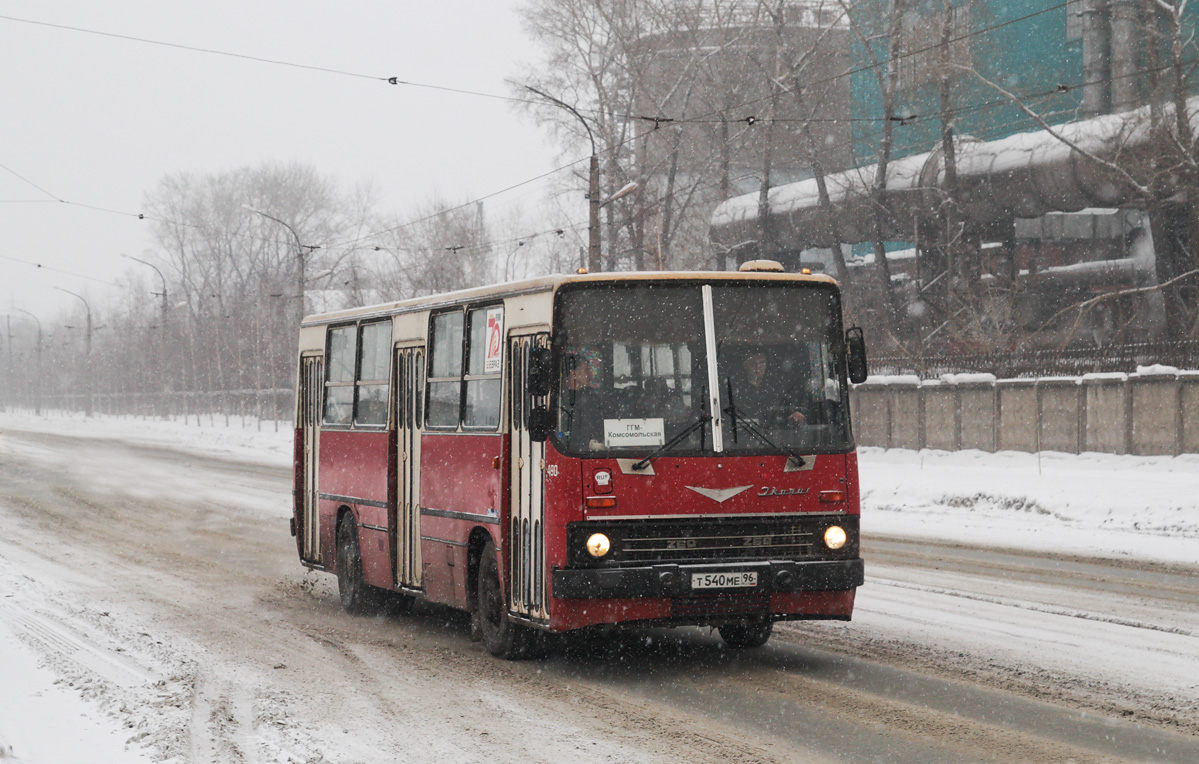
[(1032, 49)]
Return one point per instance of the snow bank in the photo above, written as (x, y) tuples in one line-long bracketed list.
[(245, 438), (1089, 504)]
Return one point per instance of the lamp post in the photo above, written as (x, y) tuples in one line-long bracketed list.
[(593, 193), (300, 265), (37, 395), (162, 339), (162, 294), (87, 352)]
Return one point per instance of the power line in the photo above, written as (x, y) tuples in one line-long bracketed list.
[(42, 266), (390, 80), (957, 111), (29, 182)]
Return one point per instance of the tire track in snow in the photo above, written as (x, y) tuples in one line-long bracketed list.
[(1037, 608)]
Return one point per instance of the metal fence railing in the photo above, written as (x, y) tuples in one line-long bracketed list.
[(273, 407)]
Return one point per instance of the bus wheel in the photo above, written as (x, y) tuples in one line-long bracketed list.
[(357, 597), (502, 638), (747, 634)]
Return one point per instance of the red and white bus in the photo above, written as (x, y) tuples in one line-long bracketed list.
[(569, 451)]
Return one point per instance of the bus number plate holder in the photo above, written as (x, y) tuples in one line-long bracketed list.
[(729, 580)]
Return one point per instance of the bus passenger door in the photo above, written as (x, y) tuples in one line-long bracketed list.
[(312, 384), (409, 408), (526, 464)]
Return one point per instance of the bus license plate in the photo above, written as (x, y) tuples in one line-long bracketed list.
[(723, 580)]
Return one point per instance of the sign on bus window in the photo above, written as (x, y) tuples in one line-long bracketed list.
[(483, 385), (495, 341)]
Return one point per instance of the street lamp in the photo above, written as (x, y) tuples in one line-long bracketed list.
[(87, 353), (37, 397), (162, 294), (162, 344), (300, 247), (593, 194)]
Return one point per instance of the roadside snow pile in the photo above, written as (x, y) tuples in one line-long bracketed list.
[(1087, 504), (47, 709)]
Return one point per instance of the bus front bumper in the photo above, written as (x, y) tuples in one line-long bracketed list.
[(670, 580)]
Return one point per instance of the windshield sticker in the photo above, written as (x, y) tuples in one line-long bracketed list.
[(495, 341), (619, 433)]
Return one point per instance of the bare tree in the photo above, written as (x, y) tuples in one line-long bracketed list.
[(240, 276)]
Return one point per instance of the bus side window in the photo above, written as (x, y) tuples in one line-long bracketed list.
[(444, 383), (483, 367), (373, 371), (339, 376)]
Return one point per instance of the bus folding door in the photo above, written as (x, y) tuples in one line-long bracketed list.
[(410, 370), (312, 386), (526, 536)]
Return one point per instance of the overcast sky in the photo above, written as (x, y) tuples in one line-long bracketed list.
[(97, 120)]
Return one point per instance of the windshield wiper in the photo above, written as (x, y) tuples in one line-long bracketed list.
[(699, 423), (752, 429), (677, 439)]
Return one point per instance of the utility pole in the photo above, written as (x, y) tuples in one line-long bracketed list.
[(87, 353), (40, 381), (1096, 58), (594, 264)]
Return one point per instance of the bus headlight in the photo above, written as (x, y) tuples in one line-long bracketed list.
[(834, 537), (598, 545)]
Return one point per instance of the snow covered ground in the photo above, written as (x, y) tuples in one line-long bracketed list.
[(1090, 505)]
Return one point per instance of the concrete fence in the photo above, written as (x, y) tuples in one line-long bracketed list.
[(1152, 412)]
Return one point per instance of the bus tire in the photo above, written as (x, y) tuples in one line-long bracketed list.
[(747, 634), (357, 597), (502, 637)]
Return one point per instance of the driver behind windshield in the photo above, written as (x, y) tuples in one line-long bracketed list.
[(763, 393)]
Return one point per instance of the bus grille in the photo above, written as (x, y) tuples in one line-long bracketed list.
[(649, 542)]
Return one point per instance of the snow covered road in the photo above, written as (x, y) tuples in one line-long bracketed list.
[(146, 568)]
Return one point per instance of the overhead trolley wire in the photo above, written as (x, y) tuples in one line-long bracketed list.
[(390, 80), (657, 120)]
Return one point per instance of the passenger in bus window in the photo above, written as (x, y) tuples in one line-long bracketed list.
[(766, 396)]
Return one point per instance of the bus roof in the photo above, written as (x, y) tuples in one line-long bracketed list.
[(549, 284)]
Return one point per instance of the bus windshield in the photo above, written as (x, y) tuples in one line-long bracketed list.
[(633, 369)]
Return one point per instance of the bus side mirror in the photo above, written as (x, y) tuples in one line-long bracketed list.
[(855, 346), (540, 424), (541, 370)]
